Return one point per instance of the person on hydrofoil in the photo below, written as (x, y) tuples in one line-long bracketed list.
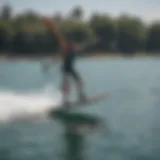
[(70, 51), (69, 71)]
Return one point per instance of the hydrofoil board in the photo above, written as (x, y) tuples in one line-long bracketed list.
[(77, 103)]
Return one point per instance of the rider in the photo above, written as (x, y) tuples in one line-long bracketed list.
[(68, 70), (69, 50)]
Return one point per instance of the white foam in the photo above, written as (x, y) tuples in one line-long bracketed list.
[(19, 105)]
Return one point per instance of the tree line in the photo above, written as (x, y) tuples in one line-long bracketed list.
[(25, 33)]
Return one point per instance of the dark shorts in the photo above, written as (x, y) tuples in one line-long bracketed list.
[(68, 68)]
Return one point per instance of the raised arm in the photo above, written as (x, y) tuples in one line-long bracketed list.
[(56, 31), (61, 39)]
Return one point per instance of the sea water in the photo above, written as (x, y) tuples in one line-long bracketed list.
[(131, 110)]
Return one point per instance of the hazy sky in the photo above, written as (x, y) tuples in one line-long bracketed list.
[(147, 9)]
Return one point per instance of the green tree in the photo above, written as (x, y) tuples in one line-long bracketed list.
[(19, 42), (30, 16), (153, 38), (26, 32), (77, 13), (6, 34), (6, 12), (104, 28), (130, 34), (58, 17), (3, 39), (77, 31), (26, 20)]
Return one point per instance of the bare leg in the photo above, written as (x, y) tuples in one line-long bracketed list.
[(80, 85), (65, 88)]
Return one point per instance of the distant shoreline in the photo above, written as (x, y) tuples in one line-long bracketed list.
[(89, 55)]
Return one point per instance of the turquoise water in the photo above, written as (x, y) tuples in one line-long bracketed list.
[(131, 110)]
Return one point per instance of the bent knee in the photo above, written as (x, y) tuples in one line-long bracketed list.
[(76, 76)]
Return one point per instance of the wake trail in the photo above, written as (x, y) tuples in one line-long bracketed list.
[(16, 105)]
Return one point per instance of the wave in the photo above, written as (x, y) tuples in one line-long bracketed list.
[(20, 105)]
